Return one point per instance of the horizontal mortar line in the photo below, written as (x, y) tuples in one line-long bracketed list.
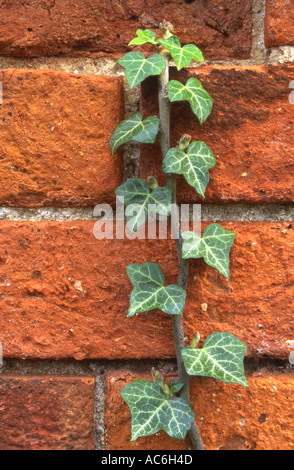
[(61, 368), (110, 67), (248, 212), (251, 62), (59, 214), (74, 367), (80, 65), (221, 212)]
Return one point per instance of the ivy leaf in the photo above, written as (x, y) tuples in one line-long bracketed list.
[(193, 165), (175, 386), (152, 410), (136, 195), (134, 128), (137, 67), (221, 357), (144, 36), (149, 291), (214, 247), (181, 55), (193, 91)]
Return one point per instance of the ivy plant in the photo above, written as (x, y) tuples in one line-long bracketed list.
[(156, 405)]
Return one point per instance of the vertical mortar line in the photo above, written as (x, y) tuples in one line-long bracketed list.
[(258, 51), (99, 412)]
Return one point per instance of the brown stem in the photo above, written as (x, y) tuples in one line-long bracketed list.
[(164, 139)]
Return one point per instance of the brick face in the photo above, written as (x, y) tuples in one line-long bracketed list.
[(230, 417), (249, 130), (54, 138), (36, 28), (46, 413), (279, 23), (257, 295), (65, 294)]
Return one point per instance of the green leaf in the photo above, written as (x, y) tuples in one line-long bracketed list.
[(134, 128), (135, 194), (175, 386), (137, 68), (193, 165), (152, 410), (181, 55), (144, 36), (149, 291), (221, 357), (193, 91), (214, 247)]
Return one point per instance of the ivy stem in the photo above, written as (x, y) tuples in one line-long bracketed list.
[(164, 139)]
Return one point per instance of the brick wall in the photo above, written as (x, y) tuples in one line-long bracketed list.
[(68, 347)]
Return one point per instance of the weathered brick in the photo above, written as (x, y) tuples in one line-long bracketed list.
[(46, 27), (255, 303), (54, 138), (65, 294), (249, 130), (230, 417), (279, 23), (46, 413)]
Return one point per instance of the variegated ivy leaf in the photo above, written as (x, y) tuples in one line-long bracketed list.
[(149, 291), (134, 128), (221, 357), (214, 247), (181, 55), (137, 67), (193, 91), (152, 410), (193, 165), (175, 386), (136, 195), (144, 36)]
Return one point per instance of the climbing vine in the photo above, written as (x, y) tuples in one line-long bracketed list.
[(156, 405)]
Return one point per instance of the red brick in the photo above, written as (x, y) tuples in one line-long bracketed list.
[(47, 313), (255, 303), (36, 28), (249, 130), (230, 417), (279, 23), (46, 413), (54, 138)]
